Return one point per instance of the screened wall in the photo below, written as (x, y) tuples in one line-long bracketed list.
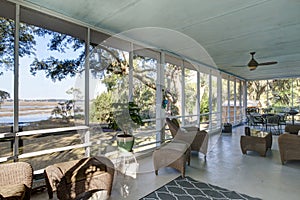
[(97, 72)]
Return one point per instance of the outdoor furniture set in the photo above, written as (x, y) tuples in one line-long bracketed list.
[(271, 121), (260, 141), (77, 179), (80, 178)]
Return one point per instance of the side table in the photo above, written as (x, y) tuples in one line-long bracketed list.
[(126, 167)]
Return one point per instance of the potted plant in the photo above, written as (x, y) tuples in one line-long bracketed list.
[(125, 141), (126, 117)]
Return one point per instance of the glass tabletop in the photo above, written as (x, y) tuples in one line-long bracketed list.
[(258, 133)]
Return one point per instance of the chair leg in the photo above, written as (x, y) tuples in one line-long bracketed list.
[(49, 188)]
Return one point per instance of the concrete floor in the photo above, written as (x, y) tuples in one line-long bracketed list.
[(225, 166)]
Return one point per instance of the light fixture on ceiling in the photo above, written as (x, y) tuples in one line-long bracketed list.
[(252, 64)]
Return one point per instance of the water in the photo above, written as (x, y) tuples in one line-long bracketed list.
[(27, 113), (25, 118), (26, 106)]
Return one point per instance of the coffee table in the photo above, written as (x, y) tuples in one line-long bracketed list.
[(258, 141)]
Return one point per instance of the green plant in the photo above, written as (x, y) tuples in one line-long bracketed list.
[(3, 96), (64, 109), (112, 124), (134, 113), (204, 108), (124, 116)]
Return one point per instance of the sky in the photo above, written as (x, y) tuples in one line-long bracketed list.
[(38, 86)]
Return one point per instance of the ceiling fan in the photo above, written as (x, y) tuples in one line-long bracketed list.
[(253, 64)]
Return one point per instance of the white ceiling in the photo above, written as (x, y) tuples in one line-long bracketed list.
[(227, 29)]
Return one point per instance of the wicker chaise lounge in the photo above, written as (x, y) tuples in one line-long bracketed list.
[(74, 178), (198, 139), (174, 154), (16, 181)]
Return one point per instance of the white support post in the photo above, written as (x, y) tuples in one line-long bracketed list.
[(228, 99), (130, 96), (198, 98), (240, 103), (86, 91), (183, 95), (160, 112), (16, 84), (234, 102), (245, 96), (219, 99), (293, 93), (268, 94), (210, 100)]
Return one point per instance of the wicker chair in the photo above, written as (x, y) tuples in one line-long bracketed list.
[(198, 139), (16, 180), (289, 147), (273, 121), (74, 178)]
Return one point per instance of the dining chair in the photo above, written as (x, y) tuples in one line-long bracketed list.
[(282, 121), (273, 122), (256, 120)]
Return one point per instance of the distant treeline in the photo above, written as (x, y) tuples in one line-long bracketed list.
[(39, 100)]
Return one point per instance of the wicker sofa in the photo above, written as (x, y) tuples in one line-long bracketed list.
[(74, 178), (289, 143), (16, 181)]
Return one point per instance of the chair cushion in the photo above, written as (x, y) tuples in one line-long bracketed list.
[(85, 169), (80, 175), (176, 146), (16, 191)]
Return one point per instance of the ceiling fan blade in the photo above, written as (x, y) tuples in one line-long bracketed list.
[(268, 63), (239, 66)]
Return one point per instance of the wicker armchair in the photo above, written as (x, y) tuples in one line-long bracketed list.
[(74, 178), (289, 147), (198, 139), (16, 180)]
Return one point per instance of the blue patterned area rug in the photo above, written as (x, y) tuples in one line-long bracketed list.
[(190, 189)]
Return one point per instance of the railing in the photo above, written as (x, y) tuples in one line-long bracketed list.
[(86, 144), (42, 132)]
